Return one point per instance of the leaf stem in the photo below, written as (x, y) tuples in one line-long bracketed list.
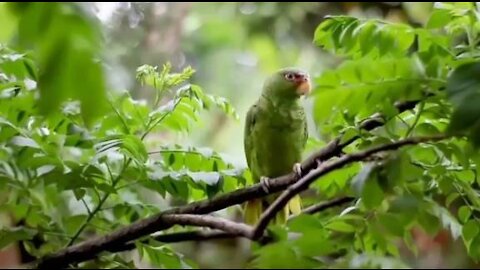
[(99, 206), (86, 206), (119, 116), (151, 126), (417, 118)]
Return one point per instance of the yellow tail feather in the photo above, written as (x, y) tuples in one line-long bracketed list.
[(295, 205), (254, 209)]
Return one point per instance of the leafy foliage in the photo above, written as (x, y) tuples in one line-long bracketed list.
[(76, 160), (429, 186), (63, 178), (63, 40)]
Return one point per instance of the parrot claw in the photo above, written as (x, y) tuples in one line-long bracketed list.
[(319, 163), (297, 169), (265, 184)]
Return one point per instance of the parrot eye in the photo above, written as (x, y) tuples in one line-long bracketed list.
[(289, 76)]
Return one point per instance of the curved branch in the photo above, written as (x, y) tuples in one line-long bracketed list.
[(223, 224), (115, 242), (90, 248), (326, 205), (325, 168), (198, 235)]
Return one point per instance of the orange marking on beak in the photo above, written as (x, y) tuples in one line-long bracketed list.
[(304, 88)]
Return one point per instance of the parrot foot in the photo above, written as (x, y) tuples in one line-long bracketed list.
[(265, 184), (297, 169), (319, 163)]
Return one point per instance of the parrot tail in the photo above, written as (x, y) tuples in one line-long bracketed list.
[(254, 209)]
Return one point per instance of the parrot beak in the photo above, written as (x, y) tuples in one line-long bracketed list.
[(304, 86)]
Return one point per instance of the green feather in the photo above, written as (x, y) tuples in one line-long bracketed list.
[(275, 136)]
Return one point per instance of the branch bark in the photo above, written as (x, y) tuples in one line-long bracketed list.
[(200, 235), (114, 243), (234, 228), (325, 168), (326, 205), (90, 248)]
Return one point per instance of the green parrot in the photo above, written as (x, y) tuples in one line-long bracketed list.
[(275, 136)]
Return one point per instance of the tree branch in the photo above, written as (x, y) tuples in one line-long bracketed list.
[(201, 235), (323, 169), (114, 242), (88, 249), (198, 235), (326, 205), (234, 228)]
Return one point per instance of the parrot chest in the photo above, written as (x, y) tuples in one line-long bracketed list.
[(281, 144)]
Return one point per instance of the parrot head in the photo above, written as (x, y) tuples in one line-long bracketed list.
[(288, 82)]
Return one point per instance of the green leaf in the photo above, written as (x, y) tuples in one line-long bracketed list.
[(23, 141), (360, 88), (394, 223), (464, 213), (473, 249), (451, 198), (447, 220), (410, 243), (11, 235), (69, 43), (210, 178), (340, 226), (463, 89), (79, 193), (355, 37), (280, 255), (348, 134), (8, 22), (372, 194), (135, 147), (439, 18), (161, 256), (366, 184), (470, 230), (304, 223), (73, 223), (312, 244), (429, 223)]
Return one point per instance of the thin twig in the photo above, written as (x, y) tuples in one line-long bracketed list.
[(99, 205), (198, 235), (415, 121), (86, 206), (326, 205), (127, 129), (152, 126)]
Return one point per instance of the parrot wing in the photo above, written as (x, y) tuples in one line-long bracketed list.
[(253, 208), (305, 128), (248, 138)]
